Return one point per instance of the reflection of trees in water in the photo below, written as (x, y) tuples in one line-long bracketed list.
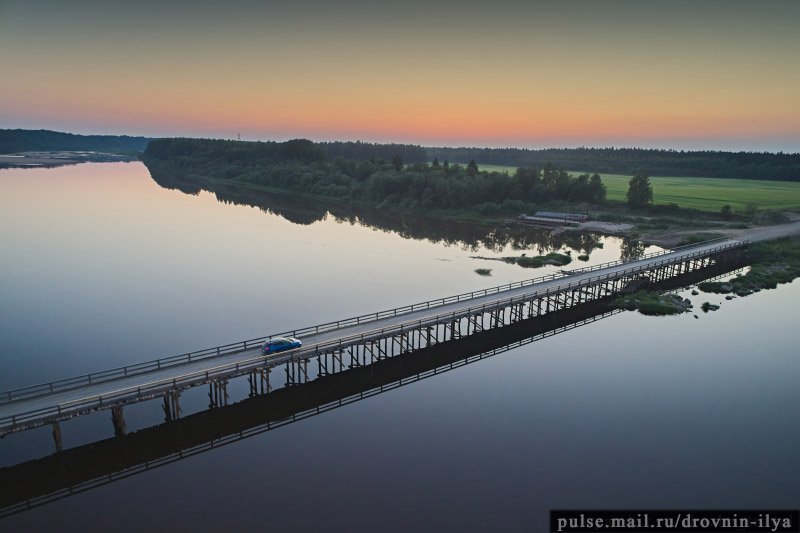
[(304, 210), (631, 248), (175, 183)]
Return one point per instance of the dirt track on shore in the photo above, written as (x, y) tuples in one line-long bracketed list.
[(760, 233)]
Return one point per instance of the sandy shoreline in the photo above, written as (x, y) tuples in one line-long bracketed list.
[(54, 159)]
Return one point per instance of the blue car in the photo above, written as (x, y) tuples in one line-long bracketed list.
[(280, 344)]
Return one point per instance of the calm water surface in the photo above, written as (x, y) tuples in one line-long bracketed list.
[(102, 267)]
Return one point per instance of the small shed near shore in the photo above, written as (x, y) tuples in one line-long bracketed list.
[(550, 219), (553, 218)]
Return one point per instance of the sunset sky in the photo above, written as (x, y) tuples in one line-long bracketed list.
[(675, 74)]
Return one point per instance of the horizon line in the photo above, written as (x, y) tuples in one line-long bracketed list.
[(664, 148)]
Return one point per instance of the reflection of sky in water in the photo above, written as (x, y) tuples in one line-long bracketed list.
[(627, 412), (102, 267)]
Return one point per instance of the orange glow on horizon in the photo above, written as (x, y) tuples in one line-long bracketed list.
[(477, 81)]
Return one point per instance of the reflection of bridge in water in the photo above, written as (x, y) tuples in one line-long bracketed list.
[(335, 346), (76, 470)]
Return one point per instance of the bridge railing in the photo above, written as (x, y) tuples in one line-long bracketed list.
[(227, 370), (228, 349), (217, 442), (644, 257), (339, 324)]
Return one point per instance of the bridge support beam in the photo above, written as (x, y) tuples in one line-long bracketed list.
[(382, 350), (354, 358), (118, 420), (429, 334), (290, 374), (476, 326), (57, 436), (518, 312), (455, 329), (259, 381), (303, 366), (297, 371), (172, 405), (218, 393), (407, 342)]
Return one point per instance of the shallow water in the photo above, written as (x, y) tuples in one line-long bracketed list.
[(101, 266)]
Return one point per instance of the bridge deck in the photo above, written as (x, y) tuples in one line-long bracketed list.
[(110, 387)]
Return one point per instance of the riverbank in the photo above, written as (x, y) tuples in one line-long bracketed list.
[(689, 230), (772, 262), (451, 193), (56, 159), (681, 232)]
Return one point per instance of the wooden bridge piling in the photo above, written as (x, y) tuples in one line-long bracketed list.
[(172, 406), (57, 436), (118, 421)]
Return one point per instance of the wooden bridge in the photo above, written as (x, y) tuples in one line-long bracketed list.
[(40, 481), (345, 344)]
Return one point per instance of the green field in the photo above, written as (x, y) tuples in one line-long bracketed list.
[(710, 194), (496, 168), (707, 194)]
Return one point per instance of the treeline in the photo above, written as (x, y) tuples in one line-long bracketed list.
[(12, 141), (303, 166), (630, 161), (236, 154), (358, 150)]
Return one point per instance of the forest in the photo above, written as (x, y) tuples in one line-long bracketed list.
[(13, 141), (631, 161), (304, 166), (409, 153), (627, 161)]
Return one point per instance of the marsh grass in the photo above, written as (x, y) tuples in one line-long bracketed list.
[(773, 262), (538, 261), (652, 303)]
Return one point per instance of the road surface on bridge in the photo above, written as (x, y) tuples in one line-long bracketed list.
[(108, 388)]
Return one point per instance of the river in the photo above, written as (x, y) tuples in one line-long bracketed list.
[(102, 266)]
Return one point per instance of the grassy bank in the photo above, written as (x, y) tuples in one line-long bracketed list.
[(773, 263)]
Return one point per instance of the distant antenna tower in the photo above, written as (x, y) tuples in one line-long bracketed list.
[(238, 136)]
